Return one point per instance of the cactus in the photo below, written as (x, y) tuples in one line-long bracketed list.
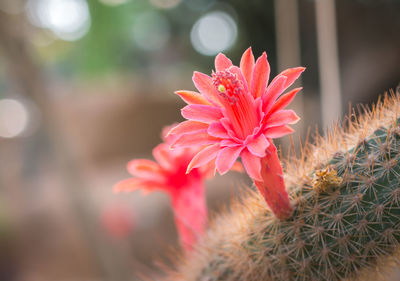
[(346, 222)]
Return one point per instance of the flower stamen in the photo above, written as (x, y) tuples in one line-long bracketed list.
[(236, 102), (228, 86)]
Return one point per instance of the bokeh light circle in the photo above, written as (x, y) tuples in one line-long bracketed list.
[(213, 33), (14, 117), (69, 20)]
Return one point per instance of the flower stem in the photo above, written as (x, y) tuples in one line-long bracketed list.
[(272, 188), (190, 213)]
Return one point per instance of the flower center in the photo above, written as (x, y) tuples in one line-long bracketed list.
[(228, 86), (237, 102)]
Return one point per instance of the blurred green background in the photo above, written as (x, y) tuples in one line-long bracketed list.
[(87, 85)]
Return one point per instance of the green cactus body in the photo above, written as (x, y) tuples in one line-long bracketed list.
[(346, 220)]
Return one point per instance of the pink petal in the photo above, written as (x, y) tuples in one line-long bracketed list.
[(230, 142), (252, 164), (226, 158), (208, 170), (228, 127), (258, 146), (260, 76), (165, 133), (292, 74), (282, 117), (190, 212), (203, 157), (247, 64), (216, 129), (199, 138), (191, 97), (202, 113), (222, 62), (278, 132), (133, 184), (162, 154), (273, 91), (258, 105), (205, 85), (146, 169), (186, 127), (284, 101)]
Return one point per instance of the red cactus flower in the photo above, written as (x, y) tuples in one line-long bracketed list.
[(237, 113), (118, 221), (186, 190)]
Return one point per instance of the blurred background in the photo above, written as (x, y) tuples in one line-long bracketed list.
[(87, 85)]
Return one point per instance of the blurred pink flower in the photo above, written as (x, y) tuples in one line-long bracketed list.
[(237, 113), (186, 190), (118, 221)]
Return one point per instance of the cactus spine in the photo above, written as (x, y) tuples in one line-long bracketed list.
[(345, 192)]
